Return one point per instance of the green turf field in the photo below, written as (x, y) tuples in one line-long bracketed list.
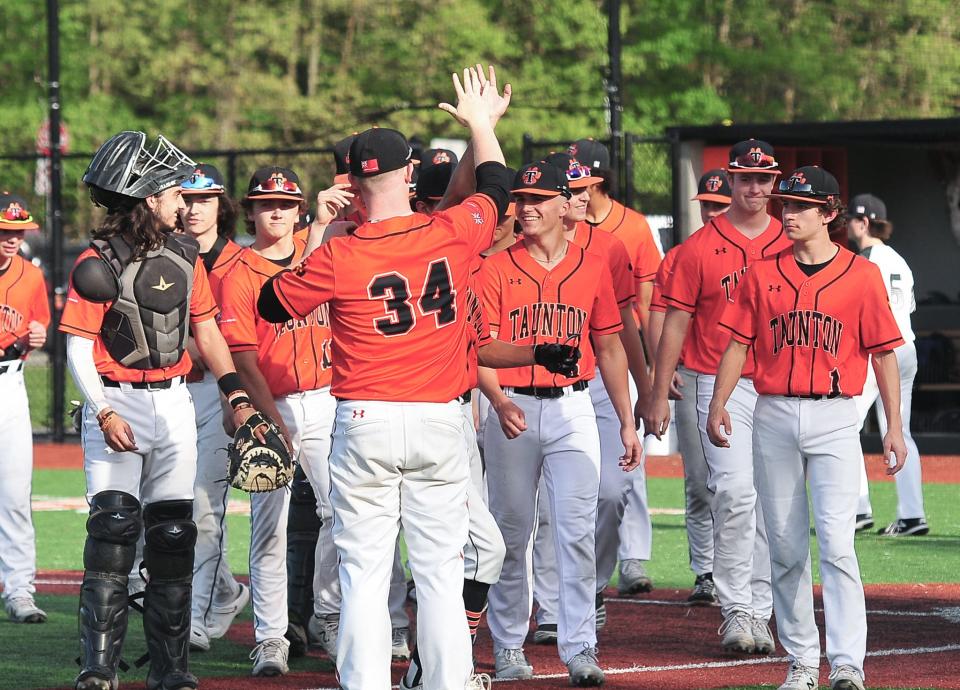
[(60, 536)]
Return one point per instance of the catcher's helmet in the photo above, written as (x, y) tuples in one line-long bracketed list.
[(125, 167)]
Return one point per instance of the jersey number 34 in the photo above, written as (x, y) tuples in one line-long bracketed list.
[(437, 298)]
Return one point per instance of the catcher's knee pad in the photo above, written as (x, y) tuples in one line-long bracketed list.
[(112, 532), (302, 515), (169, 539)]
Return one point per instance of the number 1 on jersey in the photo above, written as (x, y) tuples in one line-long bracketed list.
[(437, 298)]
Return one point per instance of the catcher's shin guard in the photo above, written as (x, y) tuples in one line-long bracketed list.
[(112, 532), (303, 530), (169, 542)]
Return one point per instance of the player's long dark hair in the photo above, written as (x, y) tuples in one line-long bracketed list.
[(228, 211), (137, 223), (838, 225)]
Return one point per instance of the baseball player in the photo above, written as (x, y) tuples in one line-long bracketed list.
[(630, 226), (132, 297), (614, 483), (713, 193), (869, 229), (812, 315), (705, 275), (210, 216), (24, 317), (547, 289), (286, 369), (396, 291)]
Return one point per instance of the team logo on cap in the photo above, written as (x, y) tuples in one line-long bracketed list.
[(370, 166), (714, 184), (756, 155), (15, 212), (441, 157), (798, 178), (572, 150), (531, 176)]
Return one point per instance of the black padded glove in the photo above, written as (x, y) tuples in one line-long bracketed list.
[(558, 359)]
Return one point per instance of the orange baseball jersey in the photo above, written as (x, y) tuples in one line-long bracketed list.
[(84, 318), (479, 334), (397, 290), (292, 356), (633, 230), (218, 262), (609, 248), (705, 275), (530, 305), (812, 335), (663, 274), (23, 298)]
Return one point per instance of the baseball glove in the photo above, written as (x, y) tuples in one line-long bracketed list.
[(558, 359), (257, 466)]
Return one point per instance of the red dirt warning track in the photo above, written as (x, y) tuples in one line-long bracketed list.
[(937, 469), (655, 641)]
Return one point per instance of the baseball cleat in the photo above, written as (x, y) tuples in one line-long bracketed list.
[(199, 640), (511, 663), (324, 631), (800, 677), (584, 670), (633, 577), (270, 657), (400, 644), (94, 681), (24, 610), (845, 677), (762, 637), (601, 612), (546, 633), (478, 681), (737, 631), (221, 615), (864, 522), (911, 527), (704, 592), (296, 635)]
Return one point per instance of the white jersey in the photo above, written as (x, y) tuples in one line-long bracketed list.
[(898, 279)]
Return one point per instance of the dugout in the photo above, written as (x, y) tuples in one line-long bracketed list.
[(914, 166)]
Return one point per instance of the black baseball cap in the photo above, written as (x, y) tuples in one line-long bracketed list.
[(811, 184), (433, 181), (590, 153), (432, 157), (714, 186), (867, 206), (378, 150), (578, 175), (753, 156), (274, 183), (14, 214), (541, 179), (205, 179), (341, 157)]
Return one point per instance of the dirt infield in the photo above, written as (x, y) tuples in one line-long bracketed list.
[(937, 469), (656, 641)]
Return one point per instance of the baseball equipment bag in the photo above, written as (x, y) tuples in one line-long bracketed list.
[(256, 466)]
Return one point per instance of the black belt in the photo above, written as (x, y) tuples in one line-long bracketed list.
[(550, 391), (142, 385), (816, 396), (465, 397)]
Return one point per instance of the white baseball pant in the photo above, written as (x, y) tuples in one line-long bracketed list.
[(561, 442), (741, 559), (798, 442), (18, 555), (212, 580), (309, 418), (909, 480), (698, 515), (390, 463), (164, 466)]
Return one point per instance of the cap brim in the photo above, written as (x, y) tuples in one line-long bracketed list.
[(584, 182), (755, 171), (274, 195), (22, 226), (716, 198), (795, 197), (342, 178), (201, 192), (511, 209), (536, 191)]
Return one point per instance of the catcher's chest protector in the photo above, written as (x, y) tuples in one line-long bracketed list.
[(147, 326)]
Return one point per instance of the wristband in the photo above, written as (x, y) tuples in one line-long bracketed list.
[(230, 383), (238, 401)]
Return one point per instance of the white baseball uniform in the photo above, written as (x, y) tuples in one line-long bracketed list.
[(898, 281)]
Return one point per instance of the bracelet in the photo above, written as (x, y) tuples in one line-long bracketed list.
[(230, 383), (240, 400), (242, 406), (105, 417)]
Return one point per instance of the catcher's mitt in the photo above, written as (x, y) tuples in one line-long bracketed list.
[(257, 466)]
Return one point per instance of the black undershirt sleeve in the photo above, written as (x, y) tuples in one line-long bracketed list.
[(269, 306), (494, 179)]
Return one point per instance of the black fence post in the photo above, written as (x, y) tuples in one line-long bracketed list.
[(629, 190)]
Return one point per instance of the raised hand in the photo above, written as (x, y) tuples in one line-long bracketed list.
[(330, 201), (498, 104), (471, 108)]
